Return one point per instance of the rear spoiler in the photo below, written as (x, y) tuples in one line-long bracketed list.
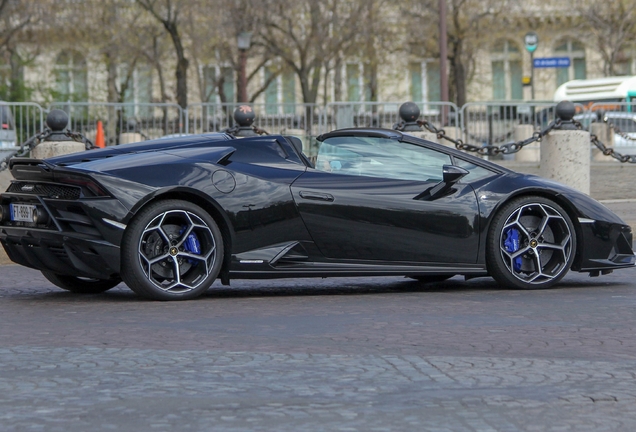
[(31, 169)]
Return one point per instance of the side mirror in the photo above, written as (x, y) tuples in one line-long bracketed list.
[(451, 174)]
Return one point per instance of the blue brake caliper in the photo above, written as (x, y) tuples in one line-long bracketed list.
[(191, 245), (511, 245)]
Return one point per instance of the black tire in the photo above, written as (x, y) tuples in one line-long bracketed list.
[(531, 244), (431, 278), (81, 285), (172, 250)]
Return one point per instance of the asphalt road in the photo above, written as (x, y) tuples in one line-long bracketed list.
[(328, 354)]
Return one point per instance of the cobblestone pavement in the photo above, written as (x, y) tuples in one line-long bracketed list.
[(334, 354)]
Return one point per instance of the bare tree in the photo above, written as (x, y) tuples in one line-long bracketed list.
[(472, 24), (612, 26), (15, 17), (168, 13), (306, 34), (377, 36)]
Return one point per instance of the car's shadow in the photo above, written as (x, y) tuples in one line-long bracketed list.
[(329, 287)]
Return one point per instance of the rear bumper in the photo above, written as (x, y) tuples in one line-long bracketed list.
[(76, 240), (63, 253)]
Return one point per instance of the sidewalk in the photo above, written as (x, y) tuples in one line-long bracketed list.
[(609, 180), (613, 183)]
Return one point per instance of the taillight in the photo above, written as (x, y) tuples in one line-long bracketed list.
[(87, 184)]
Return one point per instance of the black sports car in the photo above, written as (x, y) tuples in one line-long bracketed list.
[(169, 217)]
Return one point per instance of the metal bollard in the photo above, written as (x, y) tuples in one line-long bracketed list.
[(565, 152), (530, 153), (409, 113), (58, 142), (131, 135), (244, 117), (606, 135)]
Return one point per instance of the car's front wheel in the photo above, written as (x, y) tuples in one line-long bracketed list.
[(531, 243), (172, 250), (80, 285)]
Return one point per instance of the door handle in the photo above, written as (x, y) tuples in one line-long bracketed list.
[(316, 196)]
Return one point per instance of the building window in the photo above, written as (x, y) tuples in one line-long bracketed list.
[(138, 90), (209, 84), (359, 82), (623, 65), (506, 71), (12, 86), (289, 92), (280, 94), (71, 81), (271, 92), (433, 82), (424, 82), (576, 52), (415, 81), (215, 77)]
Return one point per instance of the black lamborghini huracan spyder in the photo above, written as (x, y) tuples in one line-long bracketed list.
[(169, 217)]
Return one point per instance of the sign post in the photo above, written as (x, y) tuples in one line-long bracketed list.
[(531, 40)]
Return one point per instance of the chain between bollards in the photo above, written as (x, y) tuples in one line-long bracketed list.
[(410, 113), (565, 121), (56, 122)]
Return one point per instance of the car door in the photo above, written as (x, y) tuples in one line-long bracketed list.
[(366, 200)]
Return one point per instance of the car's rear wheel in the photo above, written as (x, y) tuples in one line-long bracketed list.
[(172, 250), (531, 244), (81, 285)]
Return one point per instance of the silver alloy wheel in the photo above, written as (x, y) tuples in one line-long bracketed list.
[(535, 243), (177, 251)]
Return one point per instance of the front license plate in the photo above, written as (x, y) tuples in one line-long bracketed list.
[(22, 212)]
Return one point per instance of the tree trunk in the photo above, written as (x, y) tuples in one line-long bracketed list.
[(337, 80), (460, 83), (113, 96), (16, 91), (111, 77), (457, 86), (182, 82), (182, 64)]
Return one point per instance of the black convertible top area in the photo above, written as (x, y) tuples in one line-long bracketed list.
[(362, 132)]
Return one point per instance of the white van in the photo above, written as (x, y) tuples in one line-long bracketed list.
[(598, 91)]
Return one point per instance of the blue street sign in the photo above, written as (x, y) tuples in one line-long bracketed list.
[(552, 62)]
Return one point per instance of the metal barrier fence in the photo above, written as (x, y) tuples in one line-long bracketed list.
[(478, 123), (284, 118), (18, 122), (619, 116), (340, 115), (492, 123), (124, 122)]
